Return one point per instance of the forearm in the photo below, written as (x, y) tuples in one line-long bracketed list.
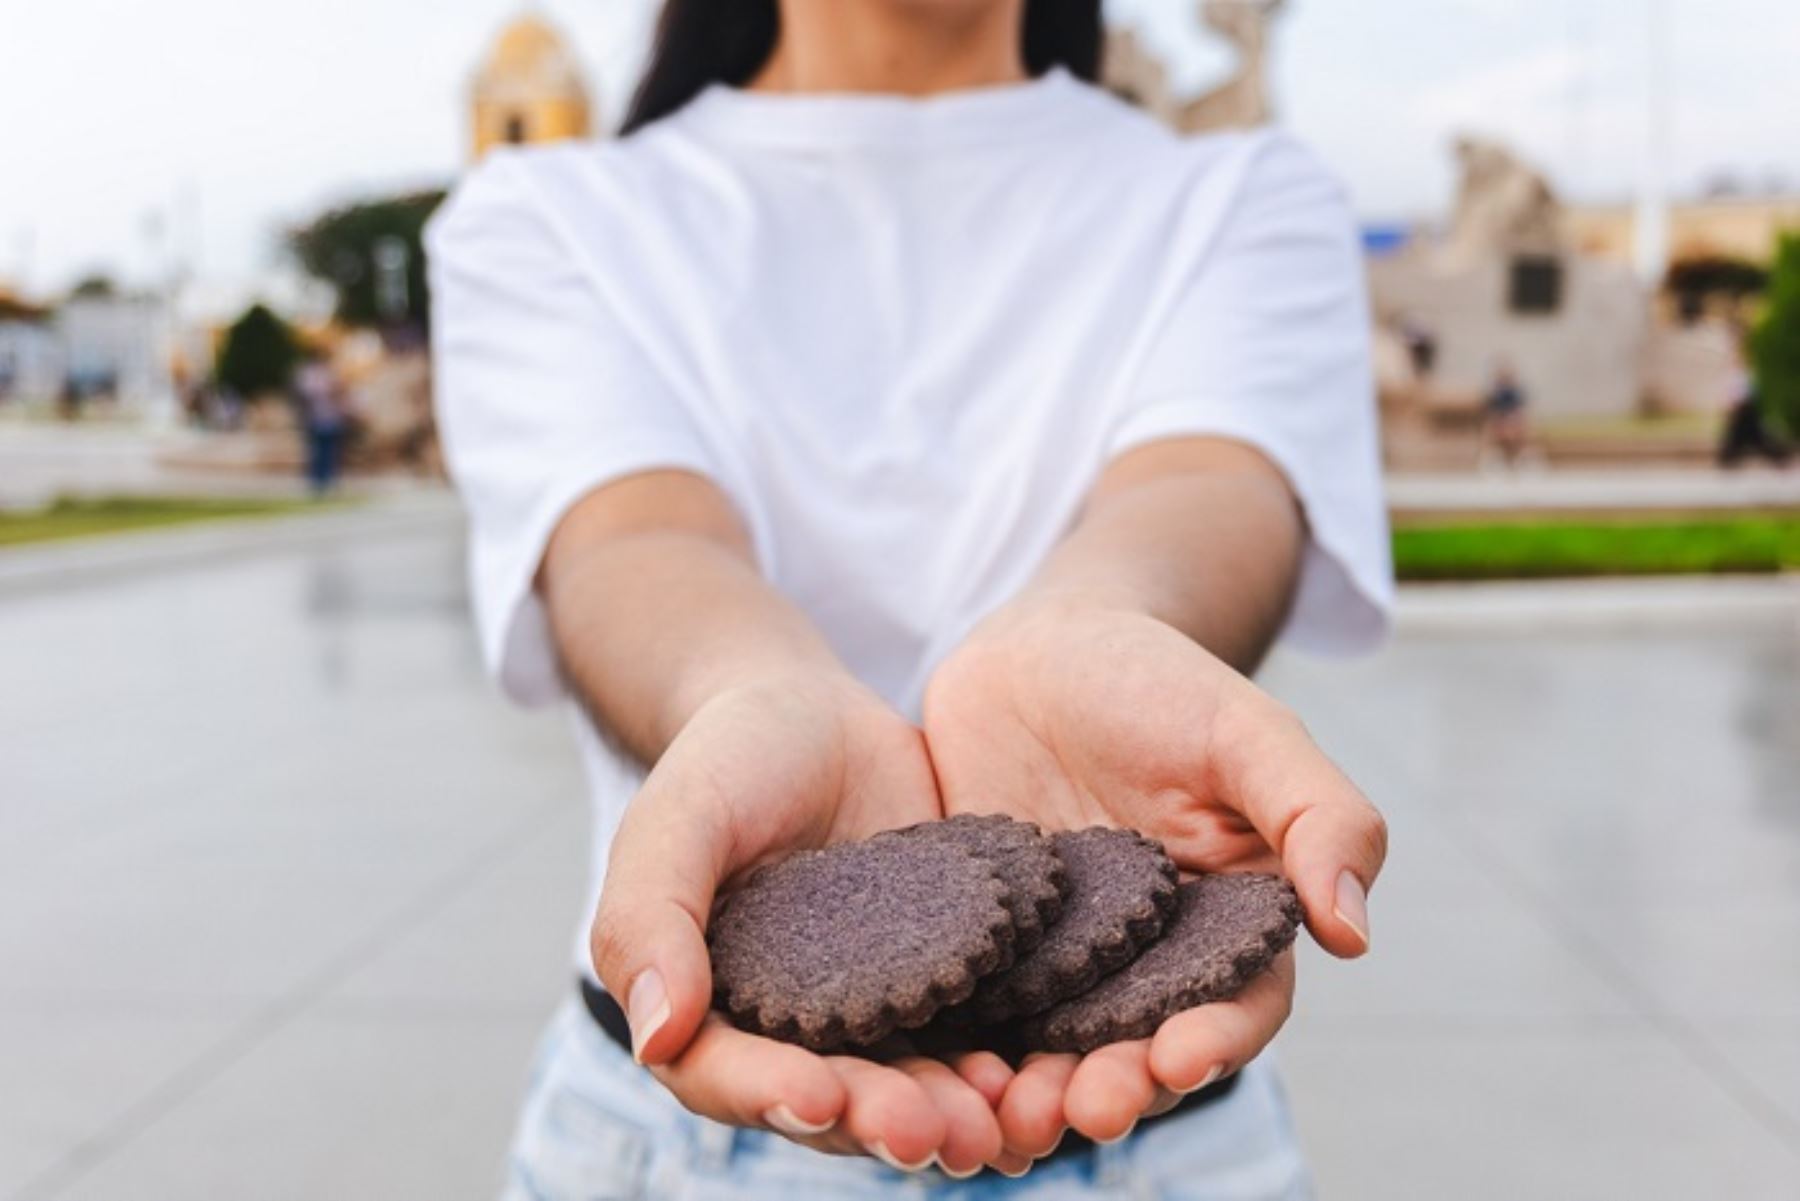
[(656, 608), (1202, 535)]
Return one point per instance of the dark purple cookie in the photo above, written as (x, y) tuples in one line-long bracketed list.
[(1226, 929), (850, 943), (1121, 888), (1021, 856)]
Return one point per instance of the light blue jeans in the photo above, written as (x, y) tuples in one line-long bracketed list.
[(596, 1127)]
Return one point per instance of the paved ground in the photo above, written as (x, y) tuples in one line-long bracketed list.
[(285, 893), (1594, 490)]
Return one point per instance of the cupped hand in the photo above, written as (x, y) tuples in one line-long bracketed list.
[(758, 772), (1072, 714)]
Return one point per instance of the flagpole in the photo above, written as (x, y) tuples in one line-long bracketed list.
[(1650, 253)]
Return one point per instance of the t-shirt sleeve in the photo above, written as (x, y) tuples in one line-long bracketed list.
[(541, 397), (1267, 342)]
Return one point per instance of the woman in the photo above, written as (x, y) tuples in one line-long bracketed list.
[(893, 424)]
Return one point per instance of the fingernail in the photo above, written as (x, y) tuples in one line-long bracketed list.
[(1218, 1070), (1352, 906), (1117, 1138), (1011, 1175), (951, 1172), (879, 1150), (781, 1118), (646, 1009)]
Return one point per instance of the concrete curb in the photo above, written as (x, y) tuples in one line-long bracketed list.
[(1605, 605), (1514, 494), (86, 561)]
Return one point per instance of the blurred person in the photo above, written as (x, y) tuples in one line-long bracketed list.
[(891, 423), (69, 397), (1504, 427), (324, 418), (1747, 434), (1421, 347)]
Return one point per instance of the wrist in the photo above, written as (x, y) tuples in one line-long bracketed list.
[(1075, 598), (773, 681), (1043, 613)]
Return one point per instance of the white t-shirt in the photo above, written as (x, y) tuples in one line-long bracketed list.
[(904, 336)]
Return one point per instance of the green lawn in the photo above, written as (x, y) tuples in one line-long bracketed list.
[(1542, 549), (1524, 549), (70, 518)]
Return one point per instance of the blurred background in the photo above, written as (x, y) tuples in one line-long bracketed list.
[(286, 891)]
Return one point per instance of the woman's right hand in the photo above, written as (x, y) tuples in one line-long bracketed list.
[(760, 770)]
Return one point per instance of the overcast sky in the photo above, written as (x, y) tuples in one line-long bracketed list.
[(217, 121)]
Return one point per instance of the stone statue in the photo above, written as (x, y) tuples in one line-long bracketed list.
[(1504, 207), (1133, 71), (1242, 101)]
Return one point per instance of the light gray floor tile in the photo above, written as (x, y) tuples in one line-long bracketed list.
[(1460, 963), (1611, 1114), (1769, 1059), (502, 946), (70, 1071), (1715, 962), (347, 1108)]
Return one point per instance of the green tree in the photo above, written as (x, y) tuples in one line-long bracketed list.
[(258, 354), (373, 254), (1775, 345), (1694, 282), (96, 284)]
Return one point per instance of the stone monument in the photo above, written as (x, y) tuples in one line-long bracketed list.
[(1241, 101), (1502, 284), (1503, 206)]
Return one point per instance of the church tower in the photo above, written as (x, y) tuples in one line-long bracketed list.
[(529, 89)]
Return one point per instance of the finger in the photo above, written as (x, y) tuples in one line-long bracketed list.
[(1110, 1090), (1195, 1048), (1164, 1101), (648, 938), (1031, 1112), (743, 1080), (986, 1073), (1331, 840), (1011, 1163), (972, 1133), (889, 1114)]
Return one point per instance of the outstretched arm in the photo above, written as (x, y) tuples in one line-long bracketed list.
[(656, 607), (1111, 691), (761, 743), (1169, 524)]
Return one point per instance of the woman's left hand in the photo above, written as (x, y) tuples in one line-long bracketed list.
[(1071, 713)]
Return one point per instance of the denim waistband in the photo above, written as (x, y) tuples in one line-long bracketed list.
[(610, 1017)]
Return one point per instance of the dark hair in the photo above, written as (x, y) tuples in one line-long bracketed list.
[(703, 42)]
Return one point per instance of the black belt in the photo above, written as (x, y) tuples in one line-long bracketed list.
[(611, 1019)]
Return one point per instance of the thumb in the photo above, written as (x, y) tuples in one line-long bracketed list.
[(649, 934), (1331, 840)]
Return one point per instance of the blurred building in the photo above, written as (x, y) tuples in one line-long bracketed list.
[(1505, 287), (115, 346), (529, 88), (30, 357), (1734, 227)]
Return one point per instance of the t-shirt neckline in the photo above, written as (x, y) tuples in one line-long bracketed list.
[(991, 113)]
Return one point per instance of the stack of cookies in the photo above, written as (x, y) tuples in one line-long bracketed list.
[(983, 931)]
